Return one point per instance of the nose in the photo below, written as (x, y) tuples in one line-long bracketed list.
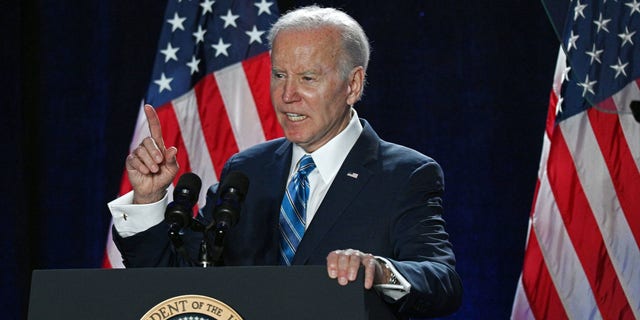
[(290, 92)]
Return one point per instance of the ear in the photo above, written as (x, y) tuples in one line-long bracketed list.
[(355, 85)]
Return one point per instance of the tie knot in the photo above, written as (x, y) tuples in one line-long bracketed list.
[(306, 165)]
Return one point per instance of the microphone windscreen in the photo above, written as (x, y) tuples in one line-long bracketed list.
[(236, 180), (188, 188)]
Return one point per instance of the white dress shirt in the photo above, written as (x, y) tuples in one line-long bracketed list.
[(328, 160)]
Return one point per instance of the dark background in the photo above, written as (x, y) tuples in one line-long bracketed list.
[(466, 82)]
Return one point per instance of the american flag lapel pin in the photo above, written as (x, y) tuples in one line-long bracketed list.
[(352, 175)]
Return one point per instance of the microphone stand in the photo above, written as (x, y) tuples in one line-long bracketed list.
[(175, 235), (217, 247), (204, 258)]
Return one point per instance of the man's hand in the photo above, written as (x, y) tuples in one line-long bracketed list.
[(344, 264), (151, 167)]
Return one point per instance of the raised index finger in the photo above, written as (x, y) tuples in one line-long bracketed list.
[(154, 126)]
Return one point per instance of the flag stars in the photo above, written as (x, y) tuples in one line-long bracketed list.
[(619, 68), (565, 73), (170, 53), (578, 10), (634, 5), (164, 83), (221, 48), (573, 38), (176, 22), (264, 7), (602, 24), (199, 35), (230, 19), (559, 105), (254, 35), (193, 64), (207, 6), (594, 54), (626, 36), (587, 86)]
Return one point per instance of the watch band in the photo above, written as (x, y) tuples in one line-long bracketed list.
[(392, 275)]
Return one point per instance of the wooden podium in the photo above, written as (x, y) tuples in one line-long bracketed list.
[(297, 292)]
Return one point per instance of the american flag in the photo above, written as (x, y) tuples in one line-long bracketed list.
[(210, 87), (582, 259)]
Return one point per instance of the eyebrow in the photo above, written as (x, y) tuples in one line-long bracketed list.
[(302, 73), (308, 72)]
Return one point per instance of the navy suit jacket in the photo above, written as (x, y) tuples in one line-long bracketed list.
[(385, 200)]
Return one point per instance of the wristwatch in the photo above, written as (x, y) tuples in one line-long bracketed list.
[(388, 271)]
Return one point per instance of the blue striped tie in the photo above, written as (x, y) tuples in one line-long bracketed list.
[(293, 211)]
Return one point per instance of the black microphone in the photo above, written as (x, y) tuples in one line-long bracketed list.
[(179, 213), (231, 194), (226, 212), (635, 109)]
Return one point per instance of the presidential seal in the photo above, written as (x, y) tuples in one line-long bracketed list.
[(191, 307)]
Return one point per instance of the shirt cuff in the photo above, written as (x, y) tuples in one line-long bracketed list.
[(129, 218), (393, 291)]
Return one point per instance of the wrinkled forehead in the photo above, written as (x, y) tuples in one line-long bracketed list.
[(325, 37), (321, 45)]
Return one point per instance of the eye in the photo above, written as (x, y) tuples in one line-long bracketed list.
[(308, 78), (278, 75)]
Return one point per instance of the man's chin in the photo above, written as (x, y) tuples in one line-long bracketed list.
[(298, 140)]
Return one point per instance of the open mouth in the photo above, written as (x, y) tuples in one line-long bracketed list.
[(295, 116)]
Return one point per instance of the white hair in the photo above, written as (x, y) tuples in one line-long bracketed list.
[(355, 44)]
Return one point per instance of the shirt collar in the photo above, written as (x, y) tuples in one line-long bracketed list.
[(330, 156)]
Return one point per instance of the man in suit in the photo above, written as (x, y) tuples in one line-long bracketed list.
[(367, 203)]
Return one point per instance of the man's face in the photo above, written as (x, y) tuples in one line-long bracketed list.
[(310, 96)]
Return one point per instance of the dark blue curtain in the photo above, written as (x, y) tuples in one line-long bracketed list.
[(464, 82)]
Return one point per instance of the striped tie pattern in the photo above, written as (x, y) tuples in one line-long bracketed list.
[(293, 211)]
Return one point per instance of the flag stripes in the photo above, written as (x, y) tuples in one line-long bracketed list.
[(561, 260), (573, 186), (537, 276), (215, 122), (582, 259), (192, 133), (241, 109), (257, 69)]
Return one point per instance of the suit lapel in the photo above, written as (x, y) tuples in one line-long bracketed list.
[(353, 175), (278, 168)]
